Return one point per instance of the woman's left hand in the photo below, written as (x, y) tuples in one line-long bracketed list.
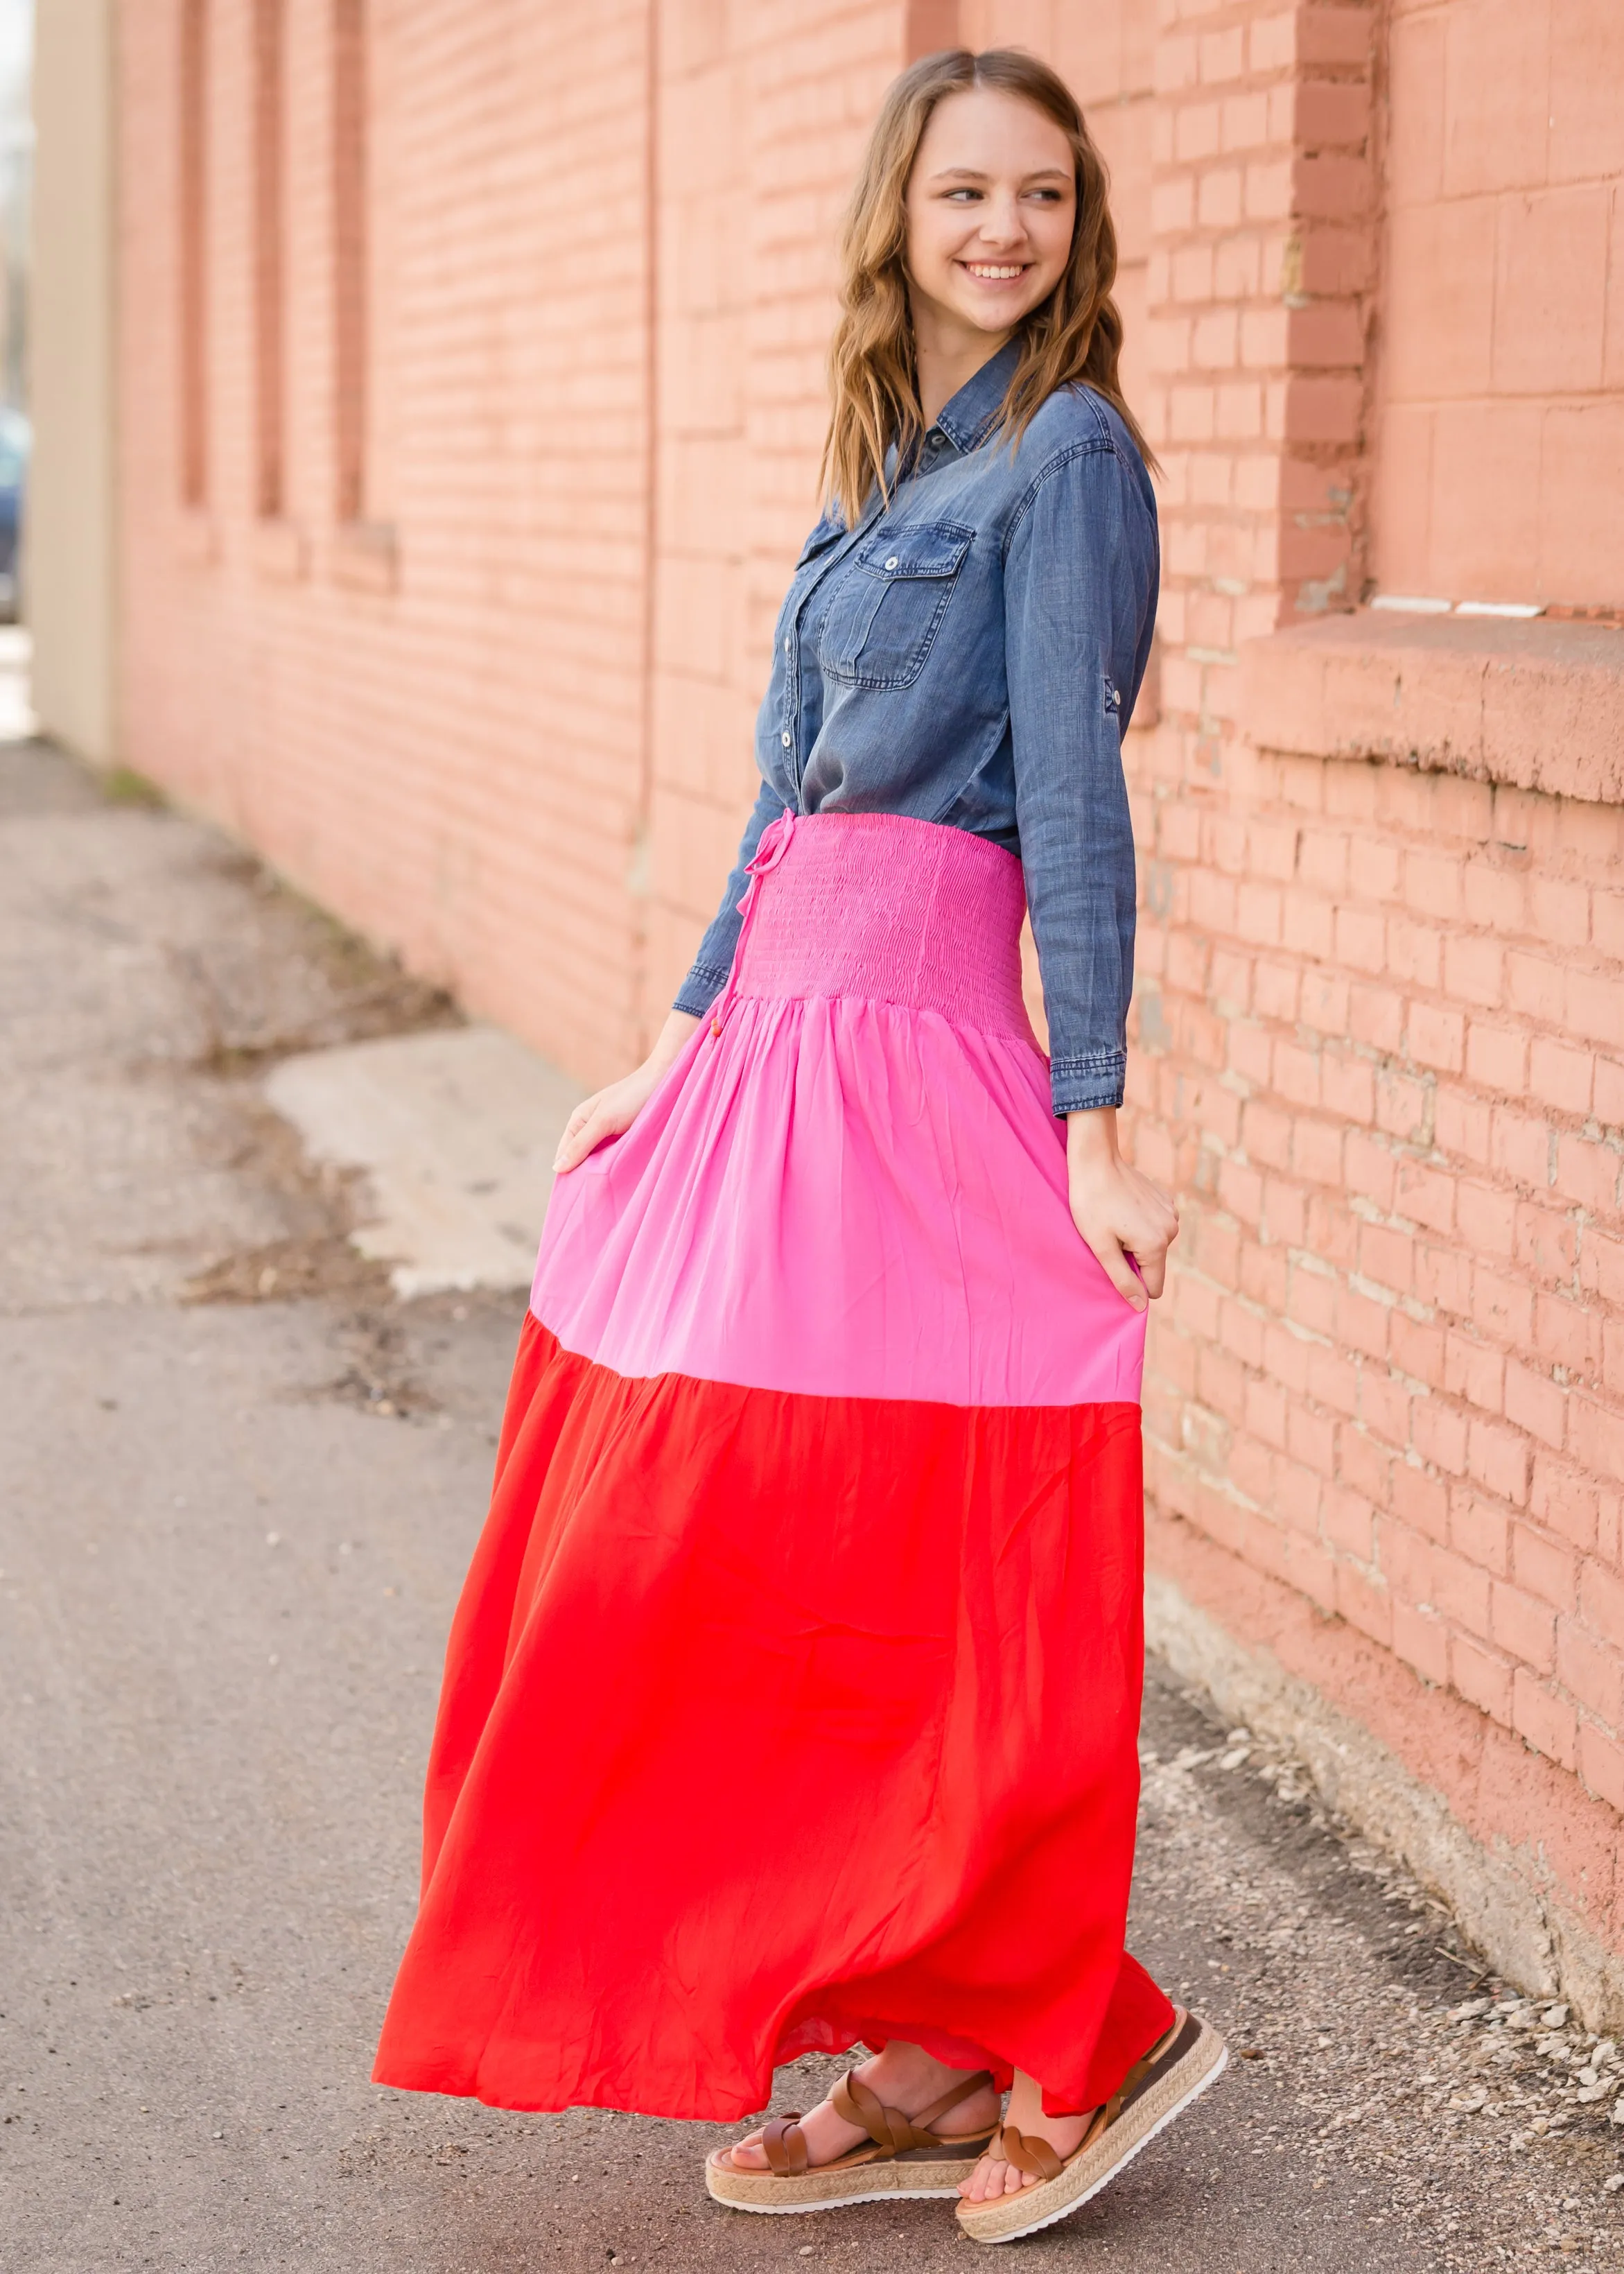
[(1119, 1211)]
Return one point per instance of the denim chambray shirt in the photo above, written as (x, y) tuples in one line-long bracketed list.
[(971, 654)]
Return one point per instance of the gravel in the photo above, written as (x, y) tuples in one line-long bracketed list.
[(1484, 2120)]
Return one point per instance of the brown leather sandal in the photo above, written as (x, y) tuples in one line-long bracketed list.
[(1178, 2067), (904, 2157)]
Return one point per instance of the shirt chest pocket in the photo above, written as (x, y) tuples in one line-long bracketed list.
[(889, 602)]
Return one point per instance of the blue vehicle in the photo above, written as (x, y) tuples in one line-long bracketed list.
[(16, 437)]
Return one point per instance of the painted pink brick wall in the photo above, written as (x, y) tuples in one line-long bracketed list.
[(1386, 1056), (1377, 1037), (1501, 432)]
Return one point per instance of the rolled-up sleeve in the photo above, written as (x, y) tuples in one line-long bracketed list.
[(1080, 575), (708, 973)]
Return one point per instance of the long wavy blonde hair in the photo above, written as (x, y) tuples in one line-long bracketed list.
[(1075, 334)]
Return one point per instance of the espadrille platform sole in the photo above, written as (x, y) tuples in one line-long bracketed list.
[(1174, 2072), (915, 2177), (905, 2157)]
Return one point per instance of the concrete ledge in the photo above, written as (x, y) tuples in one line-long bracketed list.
[(1536, 704), (1524, 1858)]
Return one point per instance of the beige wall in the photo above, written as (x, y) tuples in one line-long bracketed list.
[(69, 538), (1500, 431)]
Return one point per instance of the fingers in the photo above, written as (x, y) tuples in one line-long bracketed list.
[(585, 1130), (1151, 1256), (568, 1144), (1153, 1270), (1112, 1259)]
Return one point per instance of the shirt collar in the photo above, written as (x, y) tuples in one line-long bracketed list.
[(966, 418)]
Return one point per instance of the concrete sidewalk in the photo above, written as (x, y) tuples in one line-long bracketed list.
[(241, 1480)]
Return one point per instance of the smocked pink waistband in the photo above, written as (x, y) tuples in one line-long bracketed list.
[(888, 909)]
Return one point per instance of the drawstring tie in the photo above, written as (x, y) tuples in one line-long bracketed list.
[(770, 848)]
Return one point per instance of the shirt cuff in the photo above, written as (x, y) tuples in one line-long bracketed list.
[(1080, 1085), (705, 983)]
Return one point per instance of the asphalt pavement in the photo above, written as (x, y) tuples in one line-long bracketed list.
[(239, 1481)]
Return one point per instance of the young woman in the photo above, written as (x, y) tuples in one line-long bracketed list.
[(793, 1695)]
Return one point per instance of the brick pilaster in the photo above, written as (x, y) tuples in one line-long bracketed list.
[(1262, 253)]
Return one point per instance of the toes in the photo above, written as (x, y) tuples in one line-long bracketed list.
[(747, 2155)]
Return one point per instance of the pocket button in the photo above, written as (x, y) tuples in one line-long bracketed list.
[(892, 562)]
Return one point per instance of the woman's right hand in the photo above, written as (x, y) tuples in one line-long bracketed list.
[(612, 1111)]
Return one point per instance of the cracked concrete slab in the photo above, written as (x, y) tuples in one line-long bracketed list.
[(453, 1131)]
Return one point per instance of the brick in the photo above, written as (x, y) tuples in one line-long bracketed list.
[(1463, 1127), (1591, 1672), (1497, 1058), (1521, 1148), (1439, 1436), (1498, 1458), (1463, 1594), (1474, 1373), (1483, 1677), (1565, 1502), (1481, 1531), (1544, 1567), (1536, 1403), (1421, 1501), (1386, 1408), (1546, 1242), (1422, 1642), (1487, 1219), (1437, 1037), (1322, 410), (1523, 1626), (1588, 1174), (1547, 1722), (1473, 970), (1601, 1599), (1601, 1765), (1376, 1016), (1335, 35), (1502, 1307), (1364, 1603), (1446, 1276), (1596, 1437), (1347, 1523), (1429, 1197)]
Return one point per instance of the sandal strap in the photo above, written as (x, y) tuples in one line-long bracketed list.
[(784, 2144), (1104, 2118), (929, 2119), (889, 2127), (1109, 2110), (1027, 2151)]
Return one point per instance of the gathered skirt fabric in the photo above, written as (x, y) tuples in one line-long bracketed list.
[(793, 1696)]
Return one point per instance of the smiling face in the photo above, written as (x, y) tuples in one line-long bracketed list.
[(991, 202)]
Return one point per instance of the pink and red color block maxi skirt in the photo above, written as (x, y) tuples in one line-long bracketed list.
[(792, 1698)]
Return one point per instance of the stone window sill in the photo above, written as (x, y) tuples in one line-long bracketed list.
[(280, 551), (197, 543), (1536, 704), (366, 557)]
